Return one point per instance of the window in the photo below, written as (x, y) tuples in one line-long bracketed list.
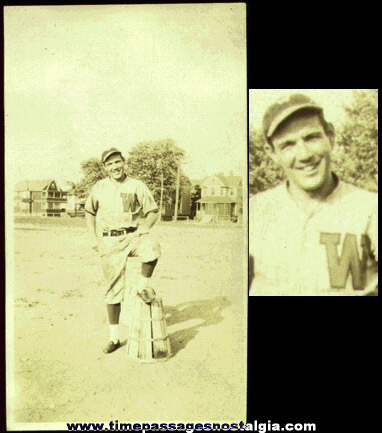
[(212, 191), (222, 189), (232, 191), (43, 194), (50, 194), (57, 194)]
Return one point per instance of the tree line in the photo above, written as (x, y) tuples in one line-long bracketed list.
[(153, 162)]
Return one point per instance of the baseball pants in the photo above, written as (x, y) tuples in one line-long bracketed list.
[(114, 251)]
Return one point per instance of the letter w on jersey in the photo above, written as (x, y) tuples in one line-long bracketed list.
[(348, 262), (130, 202)]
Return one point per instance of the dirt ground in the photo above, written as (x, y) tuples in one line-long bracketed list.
[(60, 328)]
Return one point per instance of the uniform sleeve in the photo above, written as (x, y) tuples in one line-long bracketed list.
[(372, 232), (146, 200), (91, 204), (251, 235)]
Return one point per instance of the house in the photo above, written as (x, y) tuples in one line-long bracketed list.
[(220, 198), (39, 197), (75, 205), (184, 205)]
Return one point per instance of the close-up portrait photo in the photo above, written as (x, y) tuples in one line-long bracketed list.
[(313, 187)]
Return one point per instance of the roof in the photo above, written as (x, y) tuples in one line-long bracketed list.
[(197, 182), (215, 199), (230, 181), (34, 185)]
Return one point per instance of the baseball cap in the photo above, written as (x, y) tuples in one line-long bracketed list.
[(283, 108), (109, 152)]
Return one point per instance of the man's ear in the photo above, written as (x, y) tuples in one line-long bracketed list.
[(331, 133), (271, 152)]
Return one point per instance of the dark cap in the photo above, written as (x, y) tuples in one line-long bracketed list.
[(283, 108), (108, 153)]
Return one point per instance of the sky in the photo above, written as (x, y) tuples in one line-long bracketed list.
[(82, 79), (332, 101)]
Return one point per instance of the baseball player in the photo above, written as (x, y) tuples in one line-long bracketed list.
[(119, 213), (314, 235)]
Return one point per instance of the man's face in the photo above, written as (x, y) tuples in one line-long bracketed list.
[(114, 166), (302, 149)]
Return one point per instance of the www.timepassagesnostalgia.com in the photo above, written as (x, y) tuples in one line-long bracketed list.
[(260, 427)]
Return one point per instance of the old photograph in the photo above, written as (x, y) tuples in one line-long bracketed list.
[(313, 185), (126, 186)]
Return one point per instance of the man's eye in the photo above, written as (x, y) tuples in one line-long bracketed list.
[(312, 137), (287, 144)]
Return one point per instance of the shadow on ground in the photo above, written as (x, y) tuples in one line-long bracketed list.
[(207, 310)]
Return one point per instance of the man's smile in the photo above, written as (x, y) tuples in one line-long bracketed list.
[(309, 168)]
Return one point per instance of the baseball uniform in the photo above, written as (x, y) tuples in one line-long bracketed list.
[(118, 206), (331, 251)]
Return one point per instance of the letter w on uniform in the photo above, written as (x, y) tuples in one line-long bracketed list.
[(349, 261), (129, 201)]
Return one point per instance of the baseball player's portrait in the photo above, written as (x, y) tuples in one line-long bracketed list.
[(313, 211), (126, 215)]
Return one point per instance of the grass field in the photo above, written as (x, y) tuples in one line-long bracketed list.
[(60, 327)]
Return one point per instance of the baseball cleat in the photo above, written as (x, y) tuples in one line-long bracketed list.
[(111, 347), (147, 295)]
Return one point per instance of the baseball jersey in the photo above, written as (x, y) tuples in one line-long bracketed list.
[(119, 205), (331, 251)]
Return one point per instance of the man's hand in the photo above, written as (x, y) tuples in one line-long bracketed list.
[(91, 224), (142, 230), (370, 290)]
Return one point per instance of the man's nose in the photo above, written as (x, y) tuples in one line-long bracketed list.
[(304, 152)]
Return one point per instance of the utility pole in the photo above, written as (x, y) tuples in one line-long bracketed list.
[(161, 197), (29, 198), (177, 193)]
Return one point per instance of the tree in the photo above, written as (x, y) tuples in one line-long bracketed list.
[(149, 160), (263, 172), (355, 158), (94, 171), (146, 161)]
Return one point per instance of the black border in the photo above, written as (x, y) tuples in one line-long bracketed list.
[(312, 359), (309, 360)]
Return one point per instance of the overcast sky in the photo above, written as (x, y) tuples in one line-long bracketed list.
[(332, 101), (80, 79)]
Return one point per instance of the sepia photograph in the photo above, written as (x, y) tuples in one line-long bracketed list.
[(313, 186), (126, 185)]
